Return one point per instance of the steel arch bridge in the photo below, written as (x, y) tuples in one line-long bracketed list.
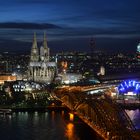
[(103, 115)]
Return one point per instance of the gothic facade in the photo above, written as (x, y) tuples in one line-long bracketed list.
[(40, 67)]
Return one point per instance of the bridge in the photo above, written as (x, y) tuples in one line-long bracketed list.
[(103, 115)]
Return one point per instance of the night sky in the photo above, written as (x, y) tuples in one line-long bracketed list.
[(69, 24)]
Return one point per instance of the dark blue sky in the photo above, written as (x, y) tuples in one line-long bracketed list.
[(115, 24)]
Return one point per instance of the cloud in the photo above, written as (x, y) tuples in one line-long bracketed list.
[(68, 39), (14, 46), (13, 25), (104, 20)]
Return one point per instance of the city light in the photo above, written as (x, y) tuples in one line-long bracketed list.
[(71, 116), (129, 87)]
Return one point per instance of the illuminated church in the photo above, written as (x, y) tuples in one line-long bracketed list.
[(40, 67)]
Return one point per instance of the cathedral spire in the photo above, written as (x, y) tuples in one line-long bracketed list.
[(34, 46), (46, 49), (45, 41), (34, 50)]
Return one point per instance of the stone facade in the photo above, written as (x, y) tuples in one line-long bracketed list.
[(40, 67)]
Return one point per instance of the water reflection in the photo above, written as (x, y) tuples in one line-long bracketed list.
[(44, 126), (70, 131), (135, 117), (53, 115), (62, 114)]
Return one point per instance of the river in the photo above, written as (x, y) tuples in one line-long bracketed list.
[(50, 126), (135, 117), (44, 126)]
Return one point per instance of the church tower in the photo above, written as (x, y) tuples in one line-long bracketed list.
[(34, 50), (46, 49), (40, 68)]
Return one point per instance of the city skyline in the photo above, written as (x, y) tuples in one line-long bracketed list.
[(69, 25)]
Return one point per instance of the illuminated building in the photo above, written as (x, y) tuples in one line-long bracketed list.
[(40, 67), (69, 78), (64, 66), (69, 61), (129, 89), (20, 86), (138, 52), (102, 71), (8, 78)]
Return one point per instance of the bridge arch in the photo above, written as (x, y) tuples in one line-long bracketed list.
[(102, 115)]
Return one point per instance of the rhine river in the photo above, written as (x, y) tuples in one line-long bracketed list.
[(50, 126), (135, 117), (44, 126)]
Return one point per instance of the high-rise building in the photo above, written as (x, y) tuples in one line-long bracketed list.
[(40, 67)]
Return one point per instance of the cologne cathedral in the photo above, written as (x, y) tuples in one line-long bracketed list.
[(40, 67)]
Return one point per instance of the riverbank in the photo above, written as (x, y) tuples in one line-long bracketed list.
[(41, 109), (33, 109)]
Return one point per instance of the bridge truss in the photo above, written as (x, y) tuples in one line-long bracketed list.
[(103, 115)]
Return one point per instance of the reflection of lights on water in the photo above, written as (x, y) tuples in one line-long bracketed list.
[(10, 117), (36, 117), (70, 131), (62, 113), (36, 113), (46, 113), (71, 116), (132, 113), (26, 113), (53, 114)]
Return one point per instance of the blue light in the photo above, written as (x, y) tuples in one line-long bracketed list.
[(122, 89), (122, 86), (126, 84), (129, 83), (137, 86), (129, 86), (134, 82)]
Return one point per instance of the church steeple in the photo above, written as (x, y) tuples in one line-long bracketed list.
[(34, 50), (34, 41), (45, 41), (46, 49), (40, 68)]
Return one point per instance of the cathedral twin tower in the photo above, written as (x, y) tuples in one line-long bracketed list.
[(40, 67), (43, 55)]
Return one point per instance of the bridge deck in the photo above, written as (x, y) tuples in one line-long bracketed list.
[(104, 116)]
